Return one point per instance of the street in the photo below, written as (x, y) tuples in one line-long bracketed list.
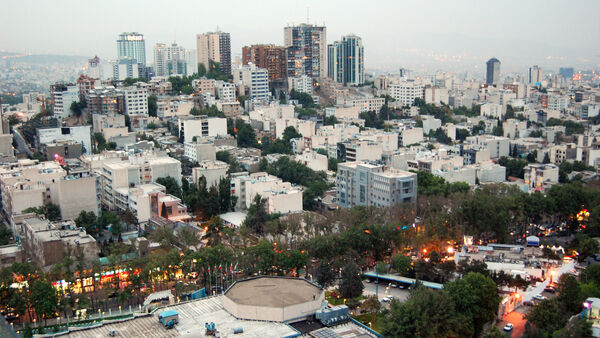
[(517, 319)]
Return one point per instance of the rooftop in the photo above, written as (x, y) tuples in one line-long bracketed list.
[(192, 316), (272, 291)]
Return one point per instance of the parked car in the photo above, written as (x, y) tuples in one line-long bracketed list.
[(528, 303), (393, 285), (508, 327), (387, 299), (550, 289), (539, 297)]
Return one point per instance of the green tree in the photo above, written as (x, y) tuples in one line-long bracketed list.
[(402, 264), (246, 136), (548, 316), (588, 247), (88, 221), (332, 164), (171, 186), (426, 313), (44, 299), (5, 234), (371, 305), (303, 98), (152, 105), (569, 293), (325, 275), (351, 286), (476, 296), (256, 217)]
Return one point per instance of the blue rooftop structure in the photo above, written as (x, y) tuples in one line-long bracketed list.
[(404, 280)]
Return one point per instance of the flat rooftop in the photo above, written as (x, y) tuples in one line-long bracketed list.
[(272, 291), (192, 316)]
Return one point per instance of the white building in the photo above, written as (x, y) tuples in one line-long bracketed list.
[(174, 60), (201, 126), (301, 84), (406, 92), (79, 134), (200, 151), (436, 95), (359, 183), (213, 171), (493, 110), (136, 100), (497, 145), (255, 79), (408, 136), (430, 124), (225, 91), (281, 196), (62, 98), (537, 175), (313, 160)]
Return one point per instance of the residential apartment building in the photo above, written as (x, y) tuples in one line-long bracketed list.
[(281, 196), (538, 175), (174, 60), (136, 100), (498, 146), (79, 134), (201, 126), (360, 183), (406, 92), (306, 46), (47, 243), (346, 61), (270, 57), (212, 170), (200, 150), (215, 47), (62, 98), (29, 184), (255, 79), (225, 91), (301, 84), (359, 150)]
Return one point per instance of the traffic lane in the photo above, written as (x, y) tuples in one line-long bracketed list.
[(384, 291), (517, 319)]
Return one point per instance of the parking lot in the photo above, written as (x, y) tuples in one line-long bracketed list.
[(385, 290)]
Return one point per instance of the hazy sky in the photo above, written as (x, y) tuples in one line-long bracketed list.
[(420, 35)]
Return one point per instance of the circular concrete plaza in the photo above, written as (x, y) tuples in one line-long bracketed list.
[(279, 299)]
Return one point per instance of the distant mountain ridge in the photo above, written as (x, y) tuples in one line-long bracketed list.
[(43, 58)]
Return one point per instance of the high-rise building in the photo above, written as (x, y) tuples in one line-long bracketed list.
[(132, 45), (492, 75), (566, 72), (214, 47), (306, 50), (173, 60), (255, 79), (271, 57), (535, 75), (346, 61)]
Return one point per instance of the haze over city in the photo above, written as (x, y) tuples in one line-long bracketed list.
[(296, 168), (423, 36)]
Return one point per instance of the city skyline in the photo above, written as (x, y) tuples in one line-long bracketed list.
[(448, 36)]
